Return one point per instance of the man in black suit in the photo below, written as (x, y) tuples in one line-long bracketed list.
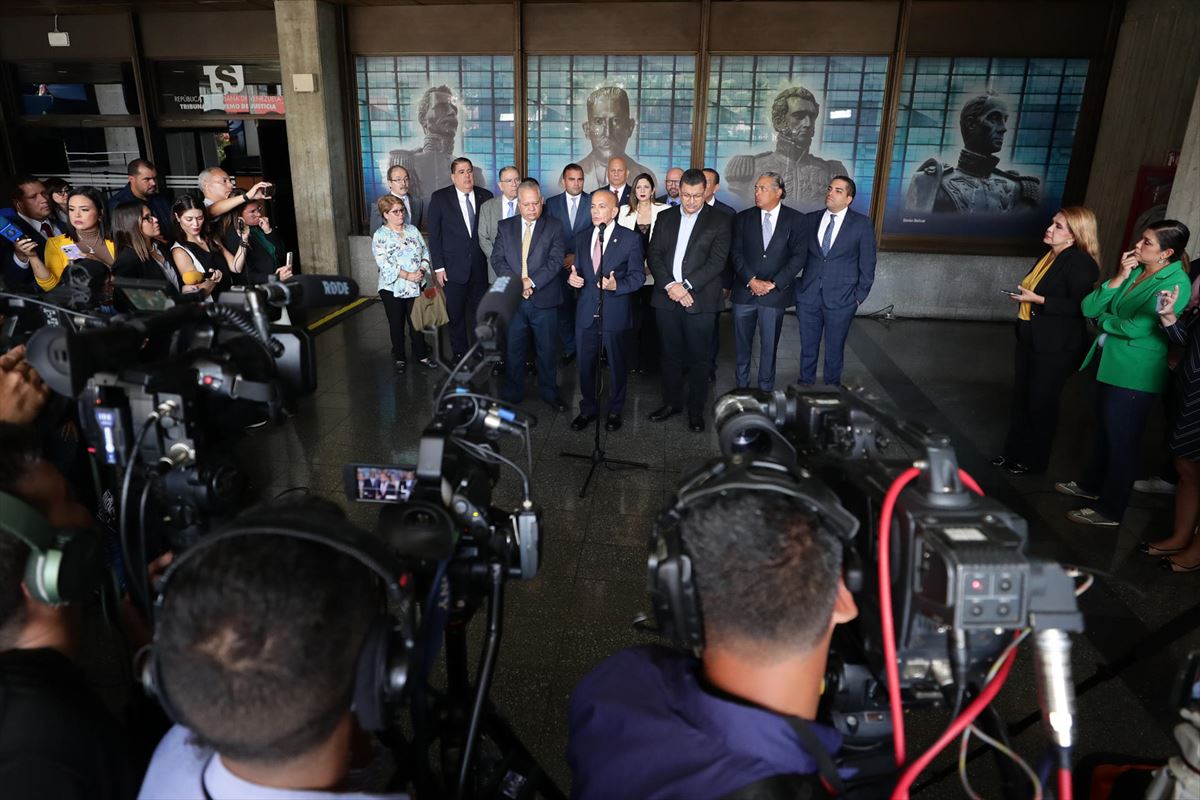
[(712, 185), (839, 269), (671, 184), (618, 179), (572, 210), (620, 275), (31, 214), (398, 182), (688, 254), (459, 264), (767, 254), (530, 250)]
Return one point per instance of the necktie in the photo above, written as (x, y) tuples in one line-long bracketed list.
[(827, 239), (47, 231), (407, 210), (470, 216), (597, 255), (509, 213), (525, 249), (573, 210), (766, 231)]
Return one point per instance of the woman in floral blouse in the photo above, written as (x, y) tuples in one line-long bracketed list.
[(403, 259)]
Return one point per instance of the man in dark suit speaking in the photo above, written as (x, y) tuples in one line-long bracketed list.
[(458, 261), (530, 249), (768, 252), (621, 274), (687, 257), (838, 272)]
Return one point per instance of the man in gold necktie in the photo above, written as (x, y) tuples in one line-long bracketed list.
[(530, 249)]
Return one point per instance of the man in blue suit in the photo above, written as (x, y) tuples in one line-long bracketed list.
[(459, 264), (768, 253), (572, 209), (838, 272), (621, 274), (530, 250)]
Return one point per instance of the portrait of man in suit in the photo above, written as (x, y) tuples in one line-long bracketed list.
[(609, 268), (838, 270), (460, 266), (529, 248), (688, 253), (572, 209), (794, 116), (608, 128), (767, 254), (429, 165)]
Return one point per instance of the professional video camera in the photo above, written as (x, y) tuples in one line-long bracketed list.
[(461, 549), (947, 585), (171, 386)]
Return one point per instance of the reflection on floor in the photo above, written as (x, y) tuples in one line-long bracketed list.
[(951, 376)]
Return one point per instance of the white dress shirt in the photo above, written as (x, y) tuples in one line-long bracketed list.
[(838, 219), (687, 223), (608, 234)]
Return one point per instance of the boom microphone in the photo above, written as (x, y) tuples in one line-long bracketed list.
[(496, 311), (310, 291)]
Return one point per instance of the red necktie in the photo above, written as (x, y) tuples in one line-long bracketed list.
[(47, 231)]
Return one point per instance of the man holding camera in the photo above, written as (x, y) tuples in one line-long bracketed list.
[(256, 651), (655, 722)]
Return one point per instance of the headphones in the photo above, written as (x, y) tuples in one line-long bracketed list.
[(63, 565), (671, 579), (387, 654)]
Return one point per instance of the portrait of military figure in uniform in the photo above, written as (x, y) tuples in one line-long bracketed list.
[(608, 128), (975, 184), (429, 165), (794, 115)]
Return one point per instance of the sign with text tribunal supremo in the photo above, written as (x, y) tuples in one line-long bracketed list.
[(224, 91)]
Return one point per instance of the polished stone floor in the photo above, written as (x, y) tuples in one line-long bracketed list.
[(952, 376)]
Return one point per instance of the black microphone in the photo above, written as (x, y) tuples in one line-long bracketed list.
[(496, 311), (310, 291)]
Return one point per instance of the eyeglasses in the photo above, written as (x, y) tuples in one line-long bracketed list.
[(397, 180), (148, 217)]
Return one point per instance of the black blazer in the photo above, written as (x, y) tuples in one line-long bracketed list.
[(703, 260), (623, 259), (780, 263), (451, 246), (1058, 326), (128, 265), (546, 249)]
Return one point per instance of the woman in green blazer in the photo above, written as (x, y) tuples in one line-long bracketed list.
[(1128, 363)]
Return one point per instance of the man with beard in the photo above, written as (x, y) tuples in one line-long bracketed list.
[(974, 185), (794, 116), (429, 166), (608, 128)]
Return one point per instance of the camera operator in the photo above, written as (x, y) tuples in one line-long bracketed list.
[(56, 739), (655, 722), (255, 657)]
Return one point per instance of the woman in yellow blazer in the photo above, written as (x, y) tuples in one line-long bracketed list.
[(85, 244), (639, 214), (1128, 362)]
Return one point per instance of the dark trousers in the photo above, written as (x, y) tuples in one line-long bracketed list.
[(768, 321), (1120, 419), (566, 320), (1038, 381), (588, 346), (399, 317), (643, 343), (686, 348), (715, 350), (462, 300), (835, 323), (543, 323)]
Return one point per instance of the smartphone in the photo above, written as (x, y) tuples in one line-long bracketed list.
[(12, 233), (378, 483), (288, 263), (1164, 301), (1010, 292), (268, 190), (72, 252)]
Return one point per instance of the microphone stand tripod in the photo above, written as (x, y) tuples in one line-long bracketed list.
[(597, 456)]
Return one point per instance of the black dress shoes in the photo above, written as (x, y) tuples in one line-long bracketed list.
[(696, 424), (613, 423), (666, 412), (582, 421), (557, 404)]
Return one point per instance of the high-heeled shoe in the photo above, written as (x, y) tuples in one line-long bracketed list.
[(1154, 551), (1171, 565)]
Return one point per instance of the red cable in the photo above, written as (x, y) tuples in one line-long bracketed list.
[(964, 719), (891, 667), (969, 482), (1064, 784)]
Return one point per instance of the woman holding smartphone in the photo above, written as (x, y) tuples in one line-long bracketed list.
[(1050, 336), (266, 252), (1128, 365), (85, 244), (197, 253)]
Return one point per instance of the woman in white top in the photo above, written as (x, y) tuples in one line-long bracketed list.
[(403, 261), (198, 254), (639, 215)]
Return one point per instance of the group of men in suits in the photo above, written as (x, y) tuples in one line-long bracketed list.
[(579, 269)]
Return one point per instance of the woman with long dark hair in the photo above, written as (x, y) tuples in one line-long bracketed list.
[(1128, 365), (198, 253), (1050, 336), (85, 244), (639, 215), (139, 255), (58, 191)]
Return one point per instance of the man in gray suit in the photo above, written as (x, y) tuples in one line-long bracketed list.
[(414, 207), (502, 206)]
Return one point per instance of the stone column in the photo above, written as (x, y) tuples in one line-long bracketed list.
[(1185, 192), (310, 42)]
